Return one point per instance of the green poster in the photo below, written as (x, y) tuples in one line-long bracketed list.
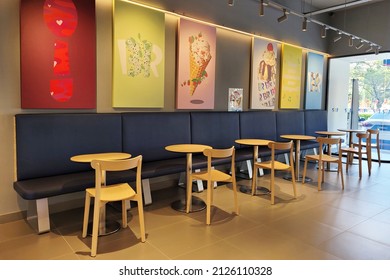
[(290, 91), (138, 63)]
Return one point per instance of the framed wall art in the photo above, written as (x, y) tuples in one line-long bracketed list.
[(235, 99), (265, 74), (314, 78), (138, 56), (196, 66), (58, 54), (291, 75)]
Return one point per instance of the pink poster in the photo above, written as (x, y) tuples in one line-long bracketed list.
[(58, 57), (196, 66)]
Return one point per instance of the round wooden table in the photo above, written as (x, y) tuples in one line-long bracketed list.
[(330, 133), (197, 204), (100, 156), (105, 227), (255, 143), (350, 134), (297, 138)]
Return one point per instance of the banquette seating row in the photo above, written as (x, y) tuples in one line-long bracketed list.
[(46, 142)]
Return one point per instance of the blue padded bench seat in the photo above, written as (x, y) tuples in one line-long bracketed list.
[(45, 187), (148, 134), (46, 142), (44, 145), (257, 125), (293, 122), (216, 129)]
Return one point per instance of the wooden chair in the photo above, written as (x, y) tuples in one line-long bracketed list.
[(359, 149), (376, 145), (322, 159), (275, 165), (118, 192), (371, 133), (212, 176)]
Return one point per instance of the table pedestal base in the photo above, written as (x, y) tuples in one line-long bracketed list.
[(197, 205), (111, 227), (299, 179), (243, 175), (259, 190)]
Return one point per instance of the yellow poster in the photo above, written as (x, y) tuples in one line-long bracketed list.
[(138, 63), (290, 86)]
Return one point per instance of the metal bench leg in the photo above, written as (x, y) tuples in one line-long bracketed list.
[(38, 215), (286, 159), (246, 167), (182, 179), (249, 168), (261, 171), (146, 191), (199, 183)]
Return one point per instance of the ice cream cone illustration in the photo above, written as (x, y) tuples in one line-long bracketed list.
[(200, 57)]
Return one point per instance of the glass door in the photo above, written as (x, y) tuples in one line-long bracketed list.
[(359, 96)]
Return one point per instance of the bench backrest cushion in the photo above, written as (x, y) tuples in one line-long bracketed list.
[(289, 122), (258, 125), (315, 120), (216, 129), (45, 142), (147, 134)]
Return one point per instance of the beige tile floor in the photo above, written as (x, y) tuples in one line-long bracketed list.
[(353, 224)]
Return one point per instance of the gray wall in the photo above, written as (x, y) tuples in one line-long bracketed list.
[(244, 16)]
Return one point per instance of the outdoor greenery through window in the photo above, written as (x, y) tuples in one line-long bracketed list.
[(373, 77)]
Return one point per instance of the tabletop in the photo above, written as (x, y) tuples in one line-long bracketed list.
[(187, 148), (253, 142), (99, 156), (297, 137), (351, 130), (331, 133)]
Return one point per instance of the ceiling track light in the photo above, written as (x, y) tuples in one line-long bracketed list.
[(283, 17), (231, 3), (350, 41), (361, 44), (306, 17), (261, 8), (377, 50), (323, 31), (304, 24), (338, 37), (370, 48)]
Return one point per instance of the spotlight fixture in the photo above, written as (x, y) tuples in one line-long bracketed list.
[(304, 24), (351, 41), (283, 17), (261, 8), (323, 31), (377, 50), (360, 45), (338, 37), (370, 48), (231, 3)]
